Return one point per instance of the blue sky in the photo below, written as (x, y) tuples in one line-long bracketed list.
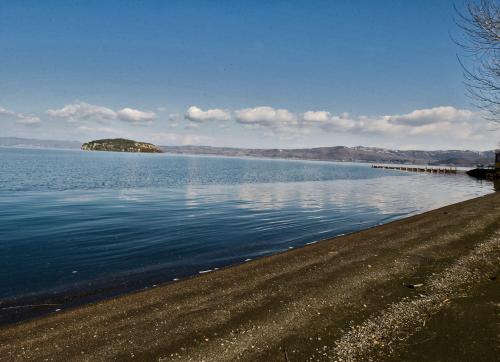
[(227, 73)]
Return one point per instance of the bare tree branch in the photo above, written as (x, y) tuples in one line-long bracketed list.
[(480, 24)]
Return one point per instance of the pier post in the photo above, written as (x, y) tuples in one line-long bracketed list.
[(497, 164)]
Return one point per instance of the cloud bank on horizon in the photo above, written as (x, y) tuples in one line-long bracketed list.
[(437, 124)]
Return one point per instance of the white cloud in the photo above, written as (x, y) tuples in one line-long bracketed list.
[(442, 124), (327, 121), (135, 116), (438, 121), (195, 114), (82, 111), (85, 111), (317, 116), (27, 120), (266, 116), (446, 121), (422, 117)]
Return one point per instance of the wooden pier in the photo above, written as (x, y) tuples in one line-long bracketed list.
[(448, 170)]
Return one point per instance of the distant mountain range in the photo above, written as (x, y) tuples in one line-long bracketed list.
[(338, 153), (349, 154)]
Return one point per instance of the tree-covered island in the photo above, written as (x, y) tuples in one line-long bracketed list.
[(120, 145)]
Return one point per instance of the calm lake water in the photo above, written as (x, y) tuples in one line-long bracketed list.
[(94, 222)]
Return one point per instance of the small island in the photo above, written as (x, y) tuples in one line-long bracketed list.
[(120, 145)]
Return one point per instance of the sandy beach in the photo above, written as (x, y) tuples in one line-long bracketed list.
[(420, 289)]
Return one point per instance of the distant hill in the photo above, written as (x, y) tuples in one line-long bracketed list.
[(349, 154), (338, 153), (36, 143), (120, 145)]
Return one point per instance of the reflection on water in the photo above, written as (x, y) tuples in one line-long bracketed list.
[(69, 218), (387, 195)]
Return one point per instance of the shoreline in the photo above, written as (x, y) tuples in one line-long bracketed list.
[(250, 157), (315, 160), (327, 294)]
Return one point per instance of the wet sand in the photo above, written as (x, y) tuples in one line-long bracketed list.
[(420, 289)]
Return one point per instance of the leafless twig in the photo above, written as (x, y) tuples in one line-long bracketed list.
[(480, 24)]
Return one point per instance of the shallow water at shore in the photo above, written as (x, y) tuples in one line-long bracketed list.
[(93, 221)]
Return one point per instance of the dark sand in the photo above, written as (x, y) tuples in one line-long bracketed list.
[(351, 298)]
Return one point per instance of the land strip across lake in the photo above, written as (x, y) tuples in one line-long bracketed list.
[(420, 289)]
